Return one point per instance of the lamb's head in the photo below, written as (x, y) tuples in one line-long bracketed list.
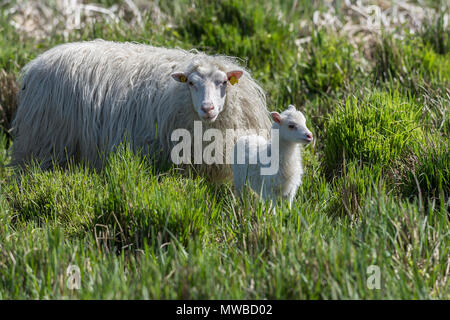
[(291, 124), (208, 86)]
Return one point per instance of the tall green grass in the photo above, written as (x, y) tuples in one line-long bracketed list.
[(375, 129), (374, 192)]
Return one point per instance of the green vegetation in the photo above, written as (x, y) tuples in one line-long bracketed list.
[(375, 190), (413, 64), (375, 130)]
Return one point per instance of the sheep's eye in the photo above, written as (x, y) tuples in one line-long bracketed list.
[(291, 126)]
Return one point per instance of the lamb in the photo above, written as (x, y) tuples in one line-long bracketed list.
[(288, 132), (80, 100)]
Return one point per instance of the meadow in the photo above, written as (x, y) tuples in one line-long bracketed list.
[(375, 190)]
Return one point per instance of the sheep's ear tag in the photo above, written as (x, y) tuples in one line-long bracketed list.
[(183, 79), (233, 80)]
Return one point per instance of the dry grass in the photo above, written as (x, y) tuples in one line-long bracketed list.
[(362, 22), (39, 19)]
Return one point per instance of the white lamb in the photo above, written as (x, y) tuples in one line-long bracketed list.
[(81, 100), (283, 148)]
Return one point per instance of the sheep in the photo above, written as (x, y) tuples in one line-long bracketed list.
[(288, 132), (80, 100)]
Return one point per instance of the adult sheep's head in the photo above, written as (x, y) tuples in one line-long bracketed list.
[(207, 86)]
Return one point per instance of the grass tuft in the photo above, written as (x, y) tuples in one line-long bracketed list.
[(375, 129)]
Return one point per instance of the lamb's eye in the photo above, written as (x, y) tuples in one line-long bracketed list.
[(291, 126)]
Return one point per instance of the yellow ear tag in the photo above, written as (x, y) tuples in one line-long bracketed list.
[(233, 80), (183, 79)]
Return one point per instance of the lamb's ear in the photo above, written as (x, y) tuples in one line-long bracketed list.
[(179, 76), (233, 76), (292, 107), (276, 117)]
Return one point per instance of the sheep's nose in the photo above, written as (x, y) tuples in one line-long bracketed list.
[(309, 136), (207, 107)]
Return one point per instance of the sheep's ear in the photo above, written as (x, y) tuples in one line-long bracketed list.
[(276, 117), (292, 107), (233, 76), (179, 76)]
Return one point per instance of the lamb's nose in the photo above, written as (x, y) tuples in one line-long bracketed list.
[(207, 107), (309, 136)]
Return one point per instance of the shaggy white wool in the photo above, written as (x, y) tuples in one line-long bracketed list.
[(80, 100)]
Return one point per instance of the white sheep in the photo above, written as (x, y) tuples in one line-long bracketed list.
[(80, 100), (288, 132)]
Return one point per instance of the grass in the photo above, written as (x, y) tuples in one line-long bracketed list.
[(375, 190)]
